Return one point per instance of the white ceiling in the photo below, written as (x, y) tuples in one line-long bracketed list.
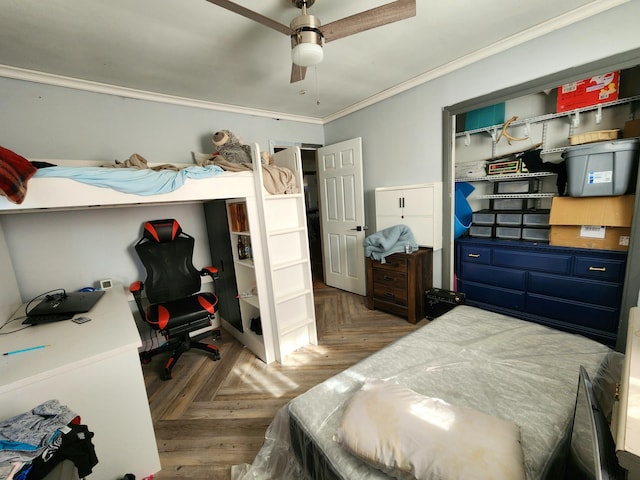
[(197, 50)]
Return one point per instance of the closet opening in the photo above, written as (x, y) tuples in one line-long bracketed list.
[(622, 61)]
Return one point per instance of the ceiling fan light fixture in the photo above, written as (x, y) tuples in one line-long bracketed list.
[(307, 54)]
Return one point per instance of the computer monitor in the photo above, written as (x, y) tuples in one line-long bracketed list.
[(592, 454)]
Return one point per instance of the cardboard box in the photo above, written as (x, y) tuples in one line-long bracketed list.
[(592, 222), (588, 92), (631, 129)]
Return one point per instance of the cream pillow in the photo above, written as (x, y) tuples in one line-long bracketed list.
[(404, 433)]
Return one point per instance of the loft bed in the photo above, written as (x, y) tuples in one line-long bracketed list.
[(66, 186), (473, 394), (275, 211)]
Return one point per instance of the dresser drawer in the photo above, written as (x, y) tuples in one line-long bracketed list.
[(389, 278), (610, 270), (392, 294), (576, 313), (598, 293), (501, 277), (501, 297), (475, 254), (529, 260), (395, 262)]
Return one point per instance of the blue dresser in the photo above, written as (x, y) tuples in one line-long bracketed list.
[(572, 289)]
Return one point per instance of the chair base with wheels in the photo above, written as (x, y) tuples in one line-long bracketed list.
[(176, 306)]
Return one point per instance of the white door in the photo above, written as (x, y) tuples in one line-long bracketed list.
[(342, 215)]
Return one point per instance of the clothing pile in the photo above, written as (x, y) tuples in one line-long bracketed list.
[(34, 442), (398, 238)]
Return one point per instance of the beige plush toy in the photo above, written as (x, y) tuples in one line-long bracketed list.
[(230, 148)]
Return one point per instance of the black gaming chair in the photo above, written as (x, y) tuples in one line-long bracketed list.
[(176, 305)]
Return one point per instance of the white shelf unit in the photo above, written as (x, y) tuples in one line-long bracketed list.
[(249, 280), (288, 261)]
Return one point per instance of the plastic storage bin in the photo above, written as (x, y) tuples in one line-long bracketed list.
[(536, 219), (483, 217), (509, 204), (602, 169), (512, 233), (481, 231), (515, 186), (535, 234), (509, 218)]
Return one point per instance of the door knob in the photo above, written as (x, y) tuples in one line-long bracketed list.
[(360, 228)]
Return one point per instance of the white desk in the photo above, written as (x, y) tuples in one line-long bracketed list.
[(94, 369)]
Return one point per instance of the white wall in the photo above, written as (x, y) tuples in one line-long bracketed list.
[(61, 123), (75, 249), (402, 136)]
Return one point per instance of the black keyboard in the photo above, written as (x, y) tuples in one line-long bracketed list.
[(38, 319)]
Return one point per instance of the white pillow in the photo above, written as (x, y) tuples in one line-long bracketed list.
[(402, 432)]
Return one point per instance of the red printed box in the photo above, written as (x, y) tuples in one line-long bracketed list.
[(588, 92)]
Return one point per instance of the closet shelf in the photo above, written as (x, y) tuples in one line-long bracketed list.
[(516, 195), (551, 116), (499, 178)]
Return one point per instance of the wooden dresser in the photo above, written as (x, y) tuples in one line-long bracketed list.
[(398, 285)]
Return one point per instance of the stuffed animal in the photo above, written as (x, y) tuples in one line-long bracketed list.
[(230, 148)]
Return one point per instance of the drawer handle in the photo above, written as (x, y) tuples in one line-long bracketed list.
[(597, 269), (387, 277), (388, 294), (473, 255)]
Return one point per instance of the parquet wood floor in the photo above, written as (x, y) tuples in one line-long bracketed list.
[(213, 415)]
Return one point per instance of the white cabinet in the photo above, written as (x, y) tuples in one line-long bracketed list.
[(417, 206)]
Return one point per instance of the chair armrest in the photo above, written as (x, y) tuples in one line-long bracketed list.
[(136, 287), (210, 272)]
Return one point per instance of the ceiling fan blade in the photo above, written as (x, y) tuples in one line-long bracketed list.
[(376, 17), (297, 73), (251, 15)]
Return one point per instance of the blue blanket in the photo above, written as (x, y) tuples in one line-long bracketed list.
[(387, 241), (131, 180)]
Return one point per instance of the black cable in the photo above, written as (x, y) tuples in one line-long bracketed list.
[(14, 320), (61, 292)]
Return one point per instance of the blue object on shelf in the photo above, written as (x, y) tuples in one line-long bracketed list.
[(484, 117), (463, 211)]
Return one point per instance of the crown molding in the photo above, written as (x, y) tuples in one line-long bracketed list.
[(97, 87)]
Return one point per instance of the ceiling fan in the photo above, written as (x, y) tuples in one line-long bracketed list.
[(308, 34)]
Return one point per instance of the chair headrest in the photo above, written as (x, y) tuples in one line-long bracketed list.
[(161, 231)]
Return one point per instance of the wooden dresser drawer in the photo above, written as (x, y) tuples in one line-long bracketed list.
[(389, 278), (396, 263), (390, 287), (398, 286)]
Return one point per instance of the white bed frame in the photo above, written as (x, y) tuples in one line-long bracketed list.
[(276, 222)]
